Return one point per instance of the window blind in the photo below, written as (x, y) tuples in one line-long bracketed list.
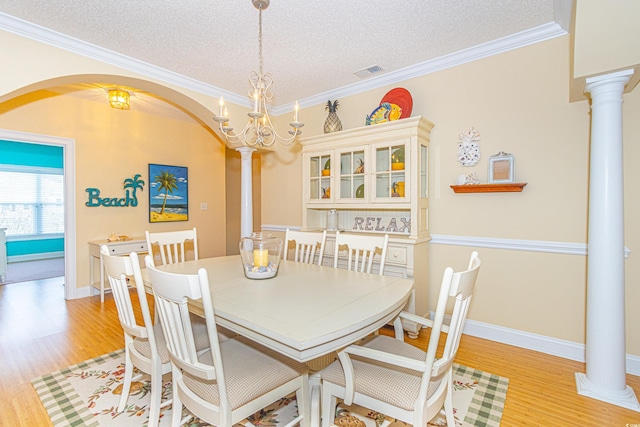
[(31, 200)]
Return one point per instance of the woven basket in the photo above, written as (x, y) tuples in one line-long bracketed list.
[(344, 420)]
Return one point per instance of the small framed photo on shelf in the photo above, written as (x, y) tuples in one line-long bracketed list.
[(501, 168)]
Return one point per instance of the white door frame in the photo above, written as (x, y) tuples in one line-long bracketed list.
[(69, 165)]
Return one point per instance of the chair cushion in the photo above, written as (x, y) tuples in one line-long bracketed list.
[(388, 383), (199, 333), (250, 371)]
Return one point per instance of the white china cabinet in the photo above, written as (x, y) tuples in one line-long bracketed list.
[(376, 178)]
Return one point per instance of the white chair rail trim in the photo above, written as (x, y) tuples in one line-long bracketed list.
[(489, 242), (515, 244)]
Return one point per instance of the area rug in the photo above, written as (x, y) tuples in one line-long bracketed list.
[(87, 394)]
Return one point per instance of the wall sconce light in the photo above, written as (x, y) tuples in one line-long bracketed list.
[(119, 99)]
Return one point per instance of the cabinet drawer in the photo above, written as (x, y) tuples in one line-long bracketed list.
[(127, 248), (397, 255)]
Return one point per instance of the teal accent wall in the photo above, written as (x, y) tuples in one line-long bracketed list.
[(30, 247), (24, 154)]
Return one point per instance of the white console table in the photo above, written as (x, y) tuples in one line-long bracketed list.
[(123, 247)]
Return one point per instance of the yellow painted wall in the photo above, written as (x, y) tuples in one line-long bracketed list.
[(519, 103), (112, 145)]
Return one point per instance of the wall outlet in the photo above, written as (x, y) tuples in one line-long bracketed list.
[(204, 206)]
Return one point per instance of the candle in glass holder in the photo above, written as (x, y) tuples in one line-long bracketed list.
[(260, 257)]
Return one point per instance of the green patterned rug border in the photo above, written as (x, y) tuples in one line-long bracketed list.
[(486, 406), (64, 406)]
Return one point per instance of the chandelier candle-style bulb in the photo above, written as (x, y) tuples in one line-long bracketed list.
[(256, 100)]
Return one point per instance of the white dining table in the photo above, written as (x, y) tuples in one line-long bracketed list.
[(304, 312)]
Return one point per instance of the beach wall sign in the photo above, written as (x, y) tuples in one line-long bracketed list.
[(130, 199)]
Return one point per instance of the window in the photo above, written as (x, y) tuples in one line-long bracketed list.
[(31, 200)]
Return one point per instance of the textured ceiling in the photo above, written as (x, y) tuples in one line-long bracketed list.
[(312, 49)]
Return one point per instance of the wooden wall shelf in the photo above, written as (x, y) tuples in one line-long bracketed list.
[(512, 187)]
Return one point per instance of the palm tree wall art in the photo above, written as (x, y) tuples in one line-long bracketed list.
[(168, 193)]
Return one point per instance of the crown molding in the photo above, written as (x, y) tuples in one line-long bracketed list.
[(71, 44), (53, 38)]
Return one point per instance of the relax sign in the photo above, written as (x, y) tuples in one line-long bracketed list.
[(131, 185), (389, 225)]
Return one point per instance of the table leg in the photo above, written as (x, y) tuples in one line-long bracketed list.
[(315, 384), (101, 279), (91, 258), (315, 391)]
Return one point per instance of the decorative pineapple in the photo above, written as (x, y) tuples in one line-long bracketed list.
[(332, 123)]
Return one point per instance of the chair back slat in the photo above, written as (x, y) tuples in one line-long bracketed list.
[(173, 245), (308, 245), (361, 251)]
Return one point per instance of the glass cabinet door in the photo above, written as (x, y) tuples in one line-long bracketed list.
[(424, 171), (320, 177), (352, 174), (390, 173)]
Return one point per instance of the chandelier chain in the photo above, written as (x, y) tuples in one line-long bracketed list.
[(260, 40), (259, 130)]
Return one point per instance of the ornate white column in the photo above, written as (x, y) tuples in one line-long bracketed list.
[(605, 378), (246, 192)]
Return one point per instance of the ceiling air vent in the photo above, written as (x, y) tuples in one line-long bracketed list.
[(366, 72)]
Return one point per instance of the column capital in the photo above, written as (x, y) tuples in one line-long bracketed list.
[(245, 151), (604, 79)]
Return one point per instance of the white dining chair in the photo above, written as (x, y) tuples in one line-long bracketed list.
[(308, 245), (145, 347), (235, 378), (361, 250), (395, 378), (172, 245)]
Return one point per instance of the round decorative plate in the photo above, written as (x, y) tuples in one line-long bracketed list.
[(402, 98), (360, 192)]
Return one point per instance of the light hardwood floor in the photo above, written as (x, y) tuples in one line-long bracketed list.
[(40, 332)]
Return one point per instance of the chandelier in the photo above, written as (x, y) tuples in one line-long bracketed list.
[(259, 130)]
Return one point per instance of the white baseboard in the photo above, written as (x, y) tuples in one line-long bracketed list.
[(553, 346), (84, 292), (35, 257)]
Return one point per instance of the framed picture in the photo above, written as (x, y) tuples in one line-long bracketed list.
[(168, 193), (501, 168)]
